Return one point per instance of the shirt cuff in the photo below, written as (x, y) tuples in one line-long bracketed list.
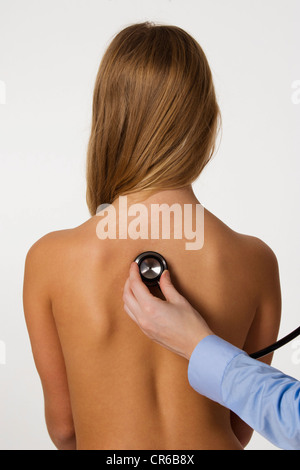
[(207, 366)]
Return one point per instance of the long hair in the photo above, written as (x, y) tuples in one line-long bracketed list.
[(155, 114)]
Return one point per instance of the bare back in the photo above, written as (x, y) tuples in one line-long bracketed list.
[(127, 392)]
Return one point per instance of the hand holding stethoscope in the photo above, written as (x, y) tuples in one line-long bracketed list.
[(174, 324)]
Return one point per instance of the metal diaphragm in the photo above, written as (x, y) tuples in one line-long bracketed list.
[(151, 265)]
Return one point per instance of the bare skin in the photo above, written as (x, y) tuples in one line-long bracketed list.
[(107, 385)]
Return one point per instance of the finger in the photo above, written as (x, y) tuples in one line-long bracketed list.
[(140, 291), (130, 314), (167, 288), (130, 300), (126, 289)]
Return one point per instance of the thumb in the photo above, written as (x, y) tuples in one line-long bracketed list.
[(167, 288)]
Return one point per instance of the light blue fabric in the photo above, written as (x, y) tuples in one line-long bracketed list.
[(262, 396)]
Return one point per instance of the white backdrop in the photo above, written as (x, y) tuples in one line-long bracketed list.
[(50, 51)]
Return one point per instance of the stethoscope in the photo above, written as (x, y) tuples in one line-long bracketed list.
[(151, 266)]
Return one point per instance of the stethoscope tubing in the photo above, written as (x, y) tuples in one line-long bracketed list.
[(282, 342)]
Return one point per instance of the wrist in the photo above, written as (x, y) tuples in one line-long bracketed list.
[(195, 339)]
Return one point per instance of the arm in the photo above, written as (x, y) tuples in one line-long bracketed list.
[(46, 346), (262, 396), (265, 325), (267, 400)]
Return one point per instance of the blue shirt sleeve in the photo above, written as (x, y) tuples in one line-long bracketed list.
[(262, 396)]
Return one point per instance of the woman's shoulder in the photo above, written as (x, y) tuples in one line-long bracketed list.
[(239, 254), (218, 231), (58, 247), (49, 243)]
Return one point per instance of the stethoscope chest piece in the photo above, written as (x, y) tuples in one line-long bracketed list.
[(151, 265)]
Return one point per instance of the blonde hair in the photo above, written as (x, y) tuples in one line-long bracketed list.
[(155, 115)]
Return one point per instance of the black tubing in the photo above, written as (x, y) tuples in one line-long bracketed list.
[(278, 344)]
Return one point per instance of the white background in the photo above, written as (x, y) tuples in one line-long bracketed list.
[(49, 56)]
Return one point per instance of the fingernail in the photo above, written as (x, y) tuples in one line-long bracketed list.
[(167, 274)]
